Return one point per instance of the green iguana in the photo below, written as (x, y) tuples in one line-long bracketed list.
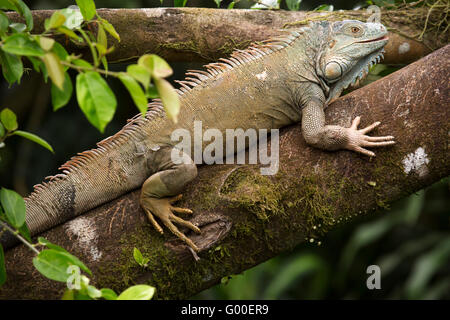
[(267, 86)]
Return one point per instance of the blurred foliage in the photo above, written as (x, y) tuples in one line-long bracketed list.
[(410, 242)]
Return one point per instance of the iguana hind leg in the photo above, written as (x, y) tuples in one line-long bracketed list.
[(163, 188)]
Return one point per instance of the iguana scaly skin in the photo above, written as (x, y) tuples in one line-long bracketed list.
[(268, 86)]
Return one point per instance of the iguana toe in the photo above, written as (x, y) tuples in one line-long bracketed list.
[(163, 209), (357, 138)]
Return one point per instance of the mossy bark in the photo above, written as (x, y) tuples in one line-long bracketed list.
[(247, 218), (203, 34)]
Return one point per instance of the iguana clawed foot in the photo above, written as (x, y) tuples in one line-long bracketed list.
[(163, 209), (357, 139)]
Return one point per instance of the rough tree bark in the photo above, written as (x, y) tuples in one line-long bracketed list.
[(202, 34), (247, 218)]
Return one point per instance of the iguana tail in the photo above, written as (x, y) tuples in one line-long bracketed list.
[(117, 166)]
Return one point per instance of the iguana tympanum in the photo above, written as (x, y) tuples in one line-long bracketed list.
[(267, 86)]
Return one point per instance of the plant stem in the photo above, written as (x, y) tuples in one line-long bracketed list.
[(91, 46), (102, 71), (18, 236)]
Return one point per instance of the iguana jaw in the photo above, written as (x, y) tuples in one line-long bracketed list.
[(383, 38)]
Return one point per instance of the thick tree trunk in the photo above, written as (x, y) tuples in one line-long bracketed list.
[(247, 218), (202, 34)]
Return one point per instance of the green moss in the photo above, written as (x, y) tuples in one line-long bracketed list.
[(120, 274), (253, 192), (231, 44), (317, 206), (190, 46)]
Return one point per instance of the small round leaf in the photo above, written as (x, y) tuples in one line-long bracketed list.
[(139, 292)]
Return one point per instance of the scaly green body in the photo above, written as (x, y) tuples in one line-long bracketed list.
[(267, 86)]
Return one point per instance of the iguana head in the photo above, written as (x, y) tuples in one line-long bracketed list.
[(348, 52)]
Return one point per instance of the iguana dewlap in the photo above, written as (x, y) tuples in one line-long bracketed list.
[(266, 86)]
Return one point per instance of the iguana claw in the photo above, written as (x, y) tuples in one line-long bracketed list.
[(163, 209), (357, 139)]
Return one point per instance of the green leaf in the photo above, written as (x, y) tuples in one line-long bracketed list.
[(96, 99), (18, 27), (61, 97), (169, 98), (34, 138), (21, 44), (7, 4), (69, 294), (218, 3), (151, 92), (87, 8), (179, 3), (12, 67), (109, 28), (2, 266), (20, 7), (101, 38), (139, 292), (25, 232), (9, 119), (4, 23), (46, 43), (136, 92), (2, 130), (14, 207), (324, 7), (55, 21), (39, 66), (93, 292), (61, 53), (140, 73), (104, 63), (55, 247), (156, 65), (101, 49), (50, 245), (74, 18), (24, 12), (108, 294), (138, 256), (36, 63), (293, 5), (82, 63), (231, 5), (69, 33), (55, 69), (53, 264)]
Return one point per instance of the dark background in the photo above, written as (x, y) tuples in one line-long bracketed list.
[(410, 241)]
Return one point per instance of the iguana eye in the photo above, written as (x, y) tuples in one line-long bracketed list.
[(354, 30)]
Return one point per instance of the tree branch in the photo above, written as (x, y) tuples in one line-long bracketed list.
[(202, 34), (247, 218)]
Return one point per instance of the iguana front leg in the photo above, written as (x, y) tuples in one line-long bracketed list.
[(331, 137), (163, 188)]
